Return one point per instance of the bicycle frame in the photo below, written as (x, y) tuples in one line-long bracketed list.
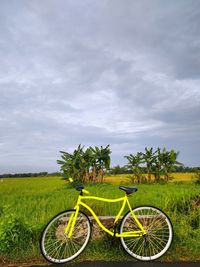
[(72, 220)]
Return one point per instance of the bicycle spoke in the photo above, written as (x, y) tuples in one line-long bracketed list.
[(57, 246), (155, 242)]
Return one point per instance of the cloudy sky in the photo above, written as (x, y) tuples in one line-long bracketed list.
[(118, 72)]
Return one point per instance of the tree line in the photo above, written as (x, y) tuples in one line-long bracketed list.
[(21, 175), (90, 165), (123, 169)]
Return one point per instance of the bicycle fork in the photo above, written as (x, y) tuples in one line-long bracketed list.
[(72, 220)]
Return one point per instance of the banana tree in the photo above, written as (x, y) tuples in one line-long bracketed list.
[(79, 164), (101, 161), (134, 163), (169, 163), (66, 164), (149, 157), (157, 165), (165, 163), (89, 161), (72, 165)]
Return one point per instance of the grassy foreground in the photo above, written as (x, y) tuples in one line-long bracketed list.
[(27, 204)]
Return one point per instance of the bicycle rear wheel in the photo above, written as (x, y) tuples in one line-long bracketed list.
[(55, 245), (159, 233)]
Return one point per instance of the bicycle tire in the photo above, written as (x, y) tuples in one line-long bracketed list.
[(147, 244), (60, 238)]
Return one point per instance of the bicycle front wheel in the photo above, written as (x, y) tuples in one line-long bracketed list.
[(155, 242), (55, 245)]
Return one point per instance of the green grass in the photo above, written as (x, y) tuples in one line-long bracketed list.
[(35, 200)]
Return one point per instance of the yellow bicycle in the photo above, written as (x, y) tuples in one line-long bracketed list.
[(145, 232)]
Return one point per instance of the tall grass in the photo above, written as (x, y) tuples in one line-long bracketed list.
[(32, 202), (36, 200)]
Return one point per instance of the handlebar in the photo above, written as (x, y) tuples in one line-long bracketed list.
[(78, 187)]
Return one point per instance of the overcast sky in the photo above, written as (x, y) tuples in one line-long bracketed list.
[(118, 72)]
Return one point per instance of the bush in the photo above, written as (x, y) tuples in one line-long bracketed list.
[(15, 235)]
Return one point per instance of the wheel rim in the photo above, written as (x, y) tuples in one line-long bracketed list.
[(158, 238), (56, 246)]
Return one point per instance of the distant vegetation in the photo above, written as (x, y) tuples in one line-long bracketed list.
[(113, 171), (89, 165), (177, 169), (86, 165), (21, 175), (157, 163)]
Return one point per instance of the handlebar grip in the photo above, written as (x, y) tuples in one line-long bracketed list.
[(85, 191), (71, 180)]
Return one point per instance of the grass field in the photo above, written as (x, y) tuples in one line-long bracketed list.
[(35, 200)]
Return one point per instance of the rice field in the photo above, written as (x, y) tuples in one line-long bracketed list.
[(121, 178), (35, 200)]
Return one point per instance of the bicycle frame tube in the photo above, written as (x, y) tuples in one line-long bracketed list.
[(73, 217)]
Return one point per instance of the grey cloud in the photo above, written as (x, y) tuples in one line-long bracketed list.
[(97, 72), (166, 32)]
